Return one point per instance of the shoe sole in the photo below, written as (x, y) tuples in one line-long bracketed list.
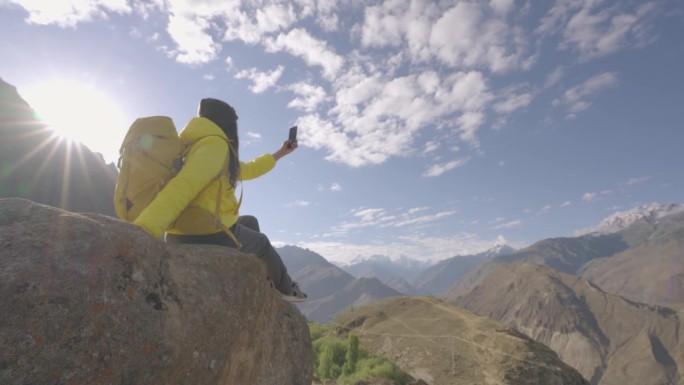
[(290, 298)]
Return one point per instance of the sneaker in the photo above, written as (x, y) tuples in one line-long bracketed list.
[(297, 294)]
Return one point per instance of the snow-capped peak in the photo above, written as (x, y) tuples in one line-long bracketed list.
[(500, 250), (623, 219)]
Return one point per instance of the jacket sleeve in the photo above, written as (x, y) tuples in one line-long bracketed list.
[(202, 164), (257, 167)]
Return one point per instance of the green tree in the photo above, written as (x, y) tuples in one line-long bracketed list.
[(326, 366), (352, 354)]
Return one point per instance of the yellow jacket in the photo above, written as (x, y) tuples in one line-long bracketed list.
[(197, 187)]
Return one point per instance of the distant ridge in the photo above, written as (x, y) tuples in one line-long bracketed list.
[(330, 288), (385, 268), (444, 274), (415, 277)]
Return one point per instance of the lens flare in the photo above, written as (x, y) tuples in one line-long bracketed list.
[(79, 112)]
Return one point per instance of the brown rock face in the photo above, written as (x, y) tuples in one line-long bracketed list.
[(88, 299), (607, 338)]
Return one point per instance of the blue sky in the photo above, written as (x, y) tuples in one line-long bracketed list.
[(426, 129)]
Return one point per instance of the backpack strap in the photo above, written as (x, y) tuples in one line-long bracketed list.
[(217, 208)]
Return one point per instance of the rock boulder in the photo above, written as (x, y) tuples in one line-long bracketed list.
[(89, 299)]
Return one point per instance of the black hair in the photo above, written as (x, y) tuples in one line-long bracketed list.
[(224, 116)]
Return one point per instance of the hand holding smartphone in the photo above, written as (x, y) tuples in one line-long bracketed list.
[(292, 138)]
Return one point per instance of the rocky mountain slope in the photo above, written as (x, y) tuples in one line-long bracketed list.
[(443, 275), (442, 344), (652, 271), (609, 339), (330, 288), (88, 299), (36, 164)]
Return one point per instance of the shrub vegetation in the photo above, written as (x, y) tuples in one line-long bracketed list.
[(346, 362)]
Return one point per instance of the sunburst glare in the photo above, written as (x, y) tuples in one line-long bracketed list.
[(79, 112)]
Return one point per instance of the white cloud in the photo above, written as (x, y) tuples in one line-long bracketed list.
[(335, 187), (565, 204), (465, 37), (500, 123), (381, 218), (68, 13), (362, 218), (369, 214), (431, 146), (240, 27), (261, 80), (461, 35), (635, 181), (318, 133), (309, 96), (194, 44), (577, 98), (275, 17), (327, 14), (511, 99), (405, 68), (502, 7), (439, 169), (594, 29), (382, 25), (508, 225), (298, 203), (554, 77), (254, 135), (299, 42), (423, 218), (376, 114), (589, 197), (497, 220)]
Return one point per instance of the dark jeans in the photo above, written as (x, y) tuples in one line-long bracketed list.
[(246, 230)]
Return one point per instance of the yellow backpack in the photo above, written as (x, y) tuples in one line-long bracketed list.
[(150, 155)]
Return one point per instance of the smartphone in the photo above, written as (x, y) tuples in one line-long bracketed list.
[(292, 138)]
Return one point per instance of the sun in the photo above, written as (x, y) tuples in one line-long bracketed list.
[(79, 112)]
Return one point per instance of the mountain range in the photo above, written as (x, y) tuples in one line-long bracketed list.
[(410, 276), (643, 262), (650, 213), (607, 302)]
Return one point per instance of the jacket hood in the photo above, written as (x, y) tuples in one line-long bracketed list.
[(198, 128)]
